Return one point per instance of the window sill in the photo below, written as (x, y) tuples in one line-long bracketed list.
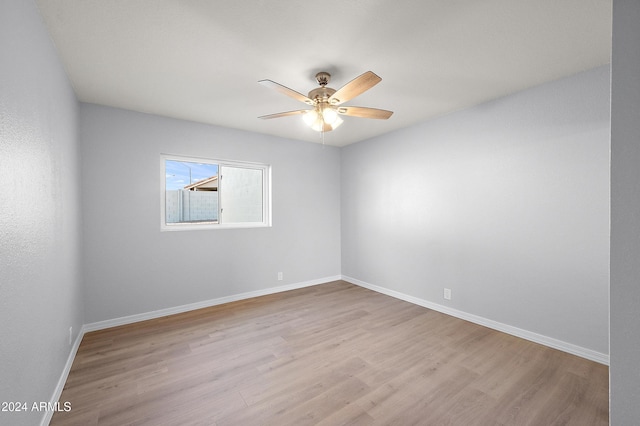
[(205, 226)]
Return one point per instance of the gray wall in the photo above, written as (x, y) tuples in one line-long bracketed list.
[(625, 214), (506, 203), (131, 267), (40, 287)]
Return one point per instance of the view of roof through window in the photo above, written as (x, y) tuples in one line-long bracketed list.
[(181, 174)]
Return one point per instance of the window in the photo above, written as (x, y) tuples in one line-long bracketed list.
[(201, 193)]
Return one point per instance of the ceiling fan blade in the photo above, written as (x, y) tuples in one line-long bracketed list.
[(365, 112), (286, 91), (355, 87), (284, 114)]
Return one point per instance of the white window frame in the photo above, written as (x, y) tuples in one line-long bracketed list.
[(266, 194)]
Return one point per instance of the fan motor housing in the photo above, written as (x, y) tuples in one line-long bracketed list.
[(321, 94)]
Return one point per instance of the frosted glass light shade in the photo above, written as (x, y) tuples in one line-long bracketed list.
[(330, 115), (338, 121), (310, 117), (319, 121)]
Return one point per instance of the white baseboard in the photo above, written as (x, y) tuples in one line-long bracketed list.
[(48, 414), (203, 304), (514, 331)]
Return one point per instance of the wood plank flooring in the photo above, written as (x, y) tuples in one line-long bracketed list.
[(331, 354)]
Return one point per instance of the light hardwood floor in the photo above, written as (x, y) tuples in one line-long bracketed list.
[(331, 354)]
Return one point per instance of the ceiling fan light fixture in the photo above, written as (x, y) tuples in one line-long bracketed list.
[(318, 125), (313, 119), (322, 120), (329, 115), (338, 121), (310, 117)]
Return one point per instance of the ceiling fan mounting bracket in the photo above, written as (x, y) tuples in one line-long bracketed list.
[(323, 78)]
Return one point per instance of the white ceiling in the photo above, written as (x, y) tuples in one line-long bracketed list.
[(200, 60)]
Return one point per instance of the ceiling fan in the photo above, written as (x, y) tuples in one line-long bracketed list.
[(326, 101)]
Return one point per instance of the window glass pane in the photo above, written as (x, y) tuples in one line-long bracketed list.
[(241, 194), (200, 193), (191, 192)]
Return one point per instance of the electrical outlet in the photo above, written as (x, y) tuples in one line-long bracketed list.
[(70, 334), (279, 276), (447, 293)]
